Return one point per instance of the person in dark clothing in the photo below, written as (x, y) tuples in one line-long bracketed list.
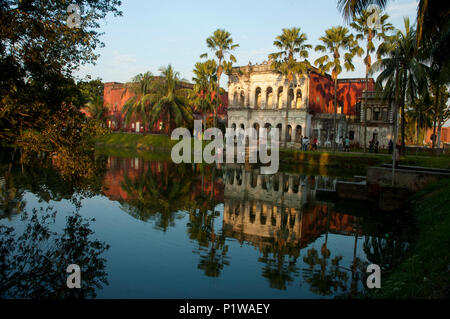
[(391, 146), (371, 145)]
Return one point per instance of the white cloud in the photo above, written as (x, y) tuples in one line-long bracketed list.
[(395, 9)]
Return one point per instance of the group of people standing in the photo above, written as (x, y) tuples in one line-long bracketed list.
[(307, 144), (312, 145)]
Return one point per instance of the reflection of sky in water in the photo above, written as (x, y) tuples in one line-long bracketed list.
[(145, 262)]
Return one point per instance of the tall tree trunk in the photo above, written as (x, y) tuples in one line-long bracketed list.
[(439, 125), (219, 74), (403, 112), (436, 112), (418, 134), (395, 121), (335, 114), (367, 89), (418, 131), (168, 123), (286, 120)]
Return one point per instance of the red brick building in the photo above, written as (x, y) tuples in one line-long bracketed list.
[(117, 94)]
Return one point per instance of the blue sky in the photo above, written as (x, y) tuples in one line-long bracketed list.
[(151, 34)]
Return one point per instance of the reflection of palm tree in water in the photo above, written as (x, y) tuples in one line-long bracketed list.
[(215, 259), (324, 281), (211, 246), (159, 196), (280, 261)]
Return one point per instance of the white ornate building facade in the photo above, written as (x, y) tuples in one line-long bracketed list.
[(260, 97)]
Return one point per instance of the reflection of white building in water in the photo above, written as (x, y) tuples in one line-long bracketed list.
[(268, 206), (259, 97)]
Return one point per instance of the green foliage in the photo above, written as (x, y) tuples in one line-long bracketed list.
[(68, 138), (291, 43), (337, 39), (425, 274), (139, 104), (38, 53), (203, 96), (221, 44)]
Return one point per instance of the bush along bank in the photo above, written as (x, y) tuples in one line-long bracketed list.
[(425, 273)]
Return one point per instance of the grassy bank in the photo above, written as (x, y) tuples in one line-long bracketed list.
[(136, 142), (426, 272), (141, 144)]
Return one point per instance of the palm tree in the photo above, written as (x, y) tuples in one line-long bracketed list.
[(221, 44), (139, 103), (290, 43), (420, 113), (435, 50), (337, 39), (431, 15), (402, 61), (364, 31), (433, 20), (96, 109), (169, 99), (205, 80), (351, 8)]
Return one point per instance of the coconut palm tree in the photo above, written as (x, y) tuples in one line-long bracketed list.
[(364, 31), (168, 98), (96, 109), (337, 39), (203, 93), (435, 50), (139, 104), (402, 61), (421, 114), (431, 15), (221, 44), (291, 43)]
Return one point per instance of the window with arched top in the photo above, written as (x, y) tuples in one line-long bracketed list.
[(258, 98), (235, 99), (369, 114), (376, 114), (298, 134), (289, 133), (385, 114), (242, 99), (280, 98), (298, 99), (269, 99), (291, 98)]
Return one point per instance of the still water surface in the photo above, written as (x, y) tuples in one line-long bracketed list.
[(188, 231)]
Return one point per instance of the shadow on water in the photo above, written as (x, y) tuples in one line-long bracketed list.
[(225, 211)]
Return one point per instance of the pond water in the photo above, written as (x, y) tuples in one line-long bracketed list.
[(152, 229)]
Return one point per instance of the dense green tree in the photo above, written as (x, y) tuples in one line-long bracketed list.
[(169, 99), (203, 96), (402, 72), (39, 51), (139, 104)]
